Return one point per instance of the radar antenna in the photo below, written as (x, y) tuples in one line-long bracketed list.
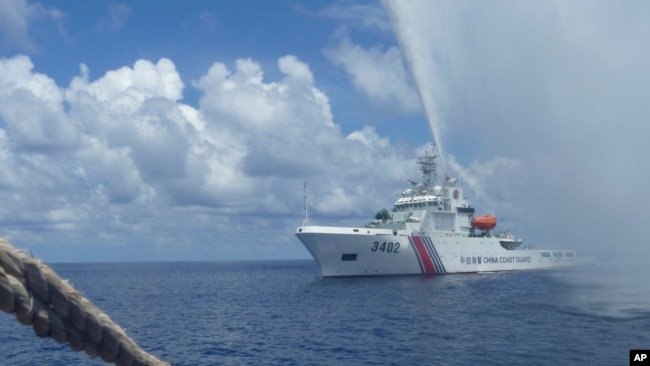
[(428, 168)]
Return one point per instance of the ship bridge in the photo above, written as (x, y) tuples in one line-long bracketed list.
[(416, 202), (432, 205)]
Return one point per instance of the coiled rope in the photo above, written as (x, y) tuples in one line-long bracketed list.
[(53, 308)]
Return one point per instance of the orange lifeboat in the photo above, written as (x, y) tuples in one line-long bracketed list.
[(487, 222)]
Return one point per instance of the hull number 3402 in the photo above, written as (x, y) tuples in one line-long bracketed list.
[(386, 247)]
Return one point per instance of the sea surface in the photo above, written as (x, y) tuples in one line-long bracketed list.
[(283, 313)]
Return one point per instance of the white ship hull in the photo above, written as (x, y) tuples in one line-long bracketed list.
[(347, 251)]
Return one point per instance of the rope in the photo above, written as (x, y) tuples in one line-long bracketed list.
[(40, 298)]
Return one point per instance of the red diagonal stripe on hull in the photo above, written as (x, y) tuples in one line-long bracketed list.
[(423, 254)]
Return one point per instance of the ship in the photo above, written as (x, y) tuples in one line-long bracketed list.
[(430, 230)]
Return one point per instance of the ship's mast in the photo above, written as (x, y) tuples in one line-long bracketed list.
[(428, 168)]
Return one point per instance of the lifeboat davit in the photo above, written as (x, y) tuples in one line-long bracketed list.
[(487, 222)]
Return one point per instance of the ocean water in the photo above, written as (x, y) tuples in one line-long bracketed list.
[(283, 313)]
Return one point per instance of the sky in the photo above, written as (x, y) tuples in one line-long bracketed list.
[(186, 131)]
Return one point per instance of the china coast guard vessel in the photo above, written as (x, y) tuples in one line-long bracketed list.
[(431, 230)]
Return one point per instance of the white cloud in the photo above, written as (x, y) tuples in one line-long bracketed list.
[(137, 161), (369, 138), (284, 132), (132, 86), (367, 16), (295, 70), (15, 19), (32, 107), (336, 201), (278, 123), (380, 75), (112, 168)]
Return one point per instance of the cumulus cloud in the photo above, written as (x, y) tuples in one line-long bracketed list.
[(123, 154), (264, 118), (33, 109), (285, 131)]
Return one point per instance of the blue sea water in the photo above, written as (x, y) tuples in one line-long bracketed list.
[(283, 313)]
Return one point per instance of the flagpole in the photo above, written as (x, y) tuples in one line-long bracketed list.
[(306, 220)]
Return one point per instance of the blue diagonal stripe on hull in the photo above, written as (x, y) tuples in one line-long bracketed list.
[(434, 254)]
